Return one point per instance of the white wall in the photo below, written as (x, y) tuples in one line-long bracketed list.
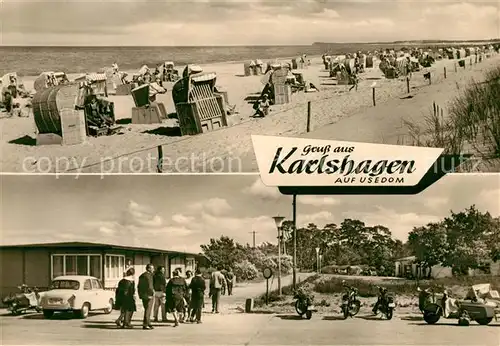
[(438, 271)]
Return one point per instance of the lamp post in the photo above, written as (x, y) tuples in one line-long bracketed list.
[(278, 220), (317, 259)]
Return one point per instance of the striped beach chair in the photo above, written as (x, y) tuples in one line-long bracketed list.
[(200, 108)]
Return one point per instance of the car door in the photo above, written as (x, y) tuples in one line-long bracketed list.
[(97, 294), (87, 293)]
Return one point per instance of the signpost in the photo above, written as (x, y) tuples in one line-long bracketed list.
[(268, 273)]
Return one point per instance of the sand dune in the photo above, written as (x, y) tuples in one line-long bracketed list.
[(336, 114)]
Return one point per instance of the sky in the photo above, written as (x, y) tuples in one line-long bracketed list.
[(238, 22), (182, 212)]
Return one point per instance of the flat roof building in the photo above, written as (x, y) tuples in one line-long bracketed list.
[(37, 264)]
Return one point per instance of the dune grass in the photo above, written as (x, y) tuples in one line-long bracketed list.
[(471, 123)]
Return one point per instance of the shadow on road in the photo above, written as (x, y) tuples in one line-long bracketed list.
[(57, 317), (101, 326), (8, 314), (372, 318), (412, 318), (291, 317), (444, 324), (333, 318), (262, 312)]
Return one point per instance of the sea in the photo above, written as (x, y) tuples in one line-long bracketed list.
[(31, 61)]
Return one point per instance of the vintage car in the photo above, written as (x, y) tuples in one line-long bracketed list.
[(482, 304), (77, 294)]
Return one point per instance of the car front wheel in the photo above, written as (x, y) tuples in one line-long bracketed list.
[(109, 309), (84, 312)]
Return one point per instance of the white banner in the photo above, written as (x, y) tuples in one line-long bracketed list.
[(286, 161)]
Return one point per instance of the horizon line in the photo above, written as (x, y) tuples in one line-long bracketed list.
[(423, 41)]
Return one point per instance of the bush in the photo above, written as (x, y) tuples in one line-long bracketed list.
[(245, 270), (260, 260), (285, 290), (403, 287), (286, 264)]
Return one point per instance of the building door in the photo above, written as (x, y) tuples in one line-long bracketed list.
[(140, 263)]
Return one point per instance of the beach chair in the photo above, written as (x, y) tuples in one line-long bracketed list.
[(369, 61), (56, 119), (281, 89), (98, 82), (258, 69), (200, 108), (147, 110)]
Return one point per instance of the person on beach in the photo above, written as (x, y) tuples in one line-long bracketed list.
[(7, 102), (217, 281), (160, 285), (262, 106), (125, 299), (197, 288), (146, 292), (176, 292), (354, 79)]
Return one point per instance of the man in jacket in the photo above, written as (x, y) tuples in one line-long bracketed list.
[(177, 290), (160, 285), (197, 287), (217, 281), (146, 292)]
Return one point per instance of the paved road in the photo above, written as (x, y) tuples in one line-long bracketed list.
[(247, 329), (234, 328)]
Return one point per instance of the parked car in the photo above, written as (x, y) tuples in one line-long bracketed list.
[(77, 294)]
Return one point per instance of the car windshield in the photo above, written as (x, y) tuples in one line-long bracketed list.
[(65, 285)]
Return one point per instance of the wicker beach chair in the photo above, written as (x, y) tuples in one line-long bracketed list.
[(200, 108), (282, 90)]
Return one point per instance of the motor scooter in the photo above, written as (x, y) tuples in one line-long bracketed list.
[(386, 304), (350, 303), (304, 304), (27, 299)]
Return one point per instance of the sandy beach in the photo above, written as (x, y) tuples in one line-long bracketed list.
[(336, 114)]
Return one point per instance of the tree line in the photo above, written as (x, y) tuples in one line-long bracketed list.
[(462, 241)]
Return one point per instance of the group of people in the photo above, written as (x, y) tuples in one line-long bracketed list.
[(183, 297)]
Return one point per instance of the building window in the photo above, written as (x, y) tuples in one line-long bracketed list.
[(115, 266), (190, 264), (70, 264)]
